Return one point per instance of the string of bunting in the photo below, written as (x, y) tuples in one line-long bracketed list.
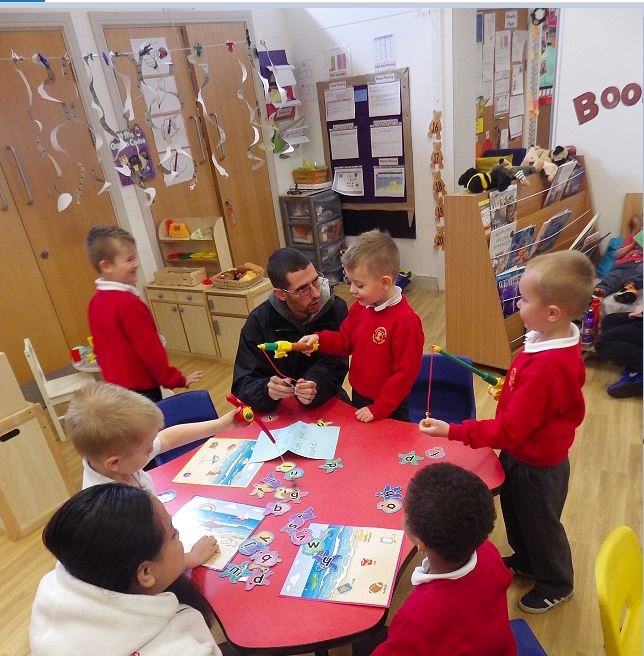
[(436, 163)]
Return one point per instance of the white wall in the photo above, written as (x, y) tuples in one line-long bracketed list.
[(601, 47), (418, 34)]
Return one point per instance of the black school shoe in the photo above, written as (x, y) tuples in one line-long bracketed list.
[(509, 562), (534, 602)]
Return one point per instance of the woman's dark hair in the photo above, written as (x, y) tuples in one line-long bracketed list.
[(450, 510), (103, 534), (284, 261)]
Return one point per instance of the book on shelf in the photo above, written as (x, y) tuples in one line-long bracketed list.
[(555, 193), (486, 213), (503, 206), (520, 247), (592, 241), (577, 244), (507, 284), (500, 241), (549, 233), (574, 181)]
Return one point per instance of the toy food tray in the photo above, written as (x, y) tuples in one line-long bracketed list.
[(241, 277), (181, 276)]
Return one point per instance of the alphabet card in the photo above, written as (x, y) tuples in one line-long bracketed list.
[(230, 522), (221, 462), (346, 564)]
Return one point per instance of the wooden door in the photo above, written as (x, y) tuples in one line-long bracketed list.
[(169, 323), (245, 194), (57, 239), (196, 322), (175, 201), (25, 306)]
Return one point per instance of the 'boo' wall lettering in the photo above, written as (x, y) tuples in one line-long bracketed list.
[(586, 106)]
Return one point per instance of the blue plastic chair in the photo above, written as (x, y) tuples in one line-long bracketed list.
[(527, 642), (185, 408), (452, 395)]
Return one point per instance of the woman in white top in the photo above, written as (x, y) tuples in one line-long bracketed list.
[(118, 587)]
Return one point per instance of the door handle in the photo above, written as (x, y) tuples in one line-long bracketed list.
[(200, 138), (44, 254), (3, 201), (30, 198)]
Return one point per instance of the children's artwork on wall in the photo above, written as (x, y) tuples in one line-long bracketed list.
[(220, 461), (346, 564), (131, 154), (230, 523)]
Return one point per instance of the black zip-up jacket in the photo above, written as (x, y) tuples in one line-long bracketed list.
[(271, 321)]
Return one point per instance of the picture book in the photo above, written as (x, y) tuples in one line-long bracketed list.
[(230, 522), (503, 207), (500, 242), (307, 440), (638, 238), (220, 461), (592, 242), (549, 233), (521, 246), (507, 284), (574, 181), (486, 212), (578, 243), (346, 564), (562, 175)]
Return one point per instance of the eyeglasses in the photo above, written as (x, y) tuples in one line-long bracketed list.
[(305, 290)]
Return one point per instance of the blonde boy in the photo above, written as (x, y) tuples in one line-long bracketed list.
[(381, 331), (117, 432), (126, 342), (540, 407)]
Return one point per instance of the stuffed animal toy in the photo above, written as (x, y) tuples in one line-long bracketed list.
[(478, 181), (435, 126), (535, 157), (436, 160), (549, 169), (517, 172), (562, 154)]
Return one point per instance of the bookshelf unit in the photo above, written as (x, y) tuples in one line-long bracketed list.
[(474, 318)]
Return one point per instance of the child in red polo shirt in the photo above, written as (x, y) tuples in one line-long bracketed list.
[(382, 333)]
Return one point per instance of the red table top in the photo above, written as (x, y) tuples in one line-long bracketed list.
[(259, 619)]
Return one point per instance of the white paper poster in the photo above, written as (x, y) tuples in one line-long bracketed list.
[(516, 126), (389, 181), (517, 79), (348, 181), (517, 106), (519, 37), (339, 104), (511, 19), (384, 99), (305, 80), (384, 52), (386, 141), (338, 61), (344, 144), (489, 28), (502, 51)]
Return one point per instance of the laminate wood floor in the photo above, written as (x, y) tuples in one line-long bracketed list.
[(605, 492)]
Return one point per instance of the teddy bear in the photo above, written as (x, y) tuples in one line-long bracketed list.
[(436, 160), (539, 158), (435, 126), (438, 186)]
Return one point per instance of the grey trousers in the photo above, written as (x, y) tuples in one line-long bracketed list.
[(532, 500)]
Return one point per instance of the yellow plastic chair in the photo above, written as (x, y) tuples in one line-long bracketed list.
[(618, 578)]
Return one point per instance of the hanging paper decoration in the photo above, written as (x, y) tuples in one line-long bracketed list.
[(436, 160), (438, 186), (211, 117), (96, 103), (435, 126)]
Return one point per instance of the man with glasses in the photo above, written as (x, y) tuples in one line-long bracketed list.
[(302, 302)]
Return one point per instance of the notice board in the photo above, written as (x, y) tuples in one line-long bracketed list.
[(366, 133)]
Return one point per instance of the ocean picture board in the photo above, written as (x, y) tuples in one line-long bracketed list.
[(355, 565)]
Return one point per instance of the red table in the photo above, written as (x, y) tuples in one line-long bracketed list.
[(259, 621)]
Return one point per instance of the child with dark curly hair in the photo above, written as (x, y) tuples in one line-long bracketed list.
[(459, 603)]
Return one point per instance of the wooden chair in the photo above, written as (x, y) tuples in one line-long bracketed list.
[(618, 578), (185, 408), (57, 390)]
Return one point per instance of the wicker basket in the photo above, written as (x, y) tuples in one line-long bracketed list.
[(220, 281), (181, 276)]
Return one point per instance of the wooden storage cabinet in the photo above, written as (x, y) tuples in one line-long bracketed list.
[(474, 320), (229, 309), (182, 317), (313, 224)]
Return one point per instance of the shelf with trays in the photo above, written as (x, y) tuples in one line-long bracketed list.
[(211, 247), (313, 224)]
